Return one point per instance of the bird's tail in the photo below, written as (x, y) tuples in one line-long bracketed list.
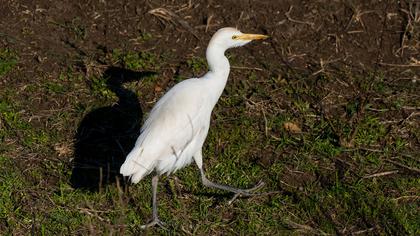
[(136, 167)]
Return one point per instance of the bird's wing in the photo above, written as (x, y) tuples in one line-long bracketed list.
[(172, 124)]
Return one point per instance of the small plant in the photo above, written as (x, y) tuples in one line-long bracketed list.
[(75, 26), (197, 64), (100, 87), (370, 131), (136, 60), (7, 61), (54, 87), (144, 36)]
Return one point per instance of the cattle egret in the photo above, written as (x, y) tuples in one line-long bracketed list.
[(174, 133)]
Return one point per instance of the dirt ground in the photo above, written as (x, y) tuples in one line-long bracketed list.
[(341, 60), (307, 36)]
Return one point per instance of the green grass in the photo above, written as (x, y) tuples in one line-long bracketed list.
[(197, 64), (136, 60), (7, 61), (320, 186)]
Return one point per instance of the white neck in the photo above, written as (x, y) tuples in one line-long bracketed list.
[(216, 59), (218, 65)]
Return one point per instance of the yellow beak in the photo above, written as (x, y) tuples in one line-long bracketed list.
[(251, 37)]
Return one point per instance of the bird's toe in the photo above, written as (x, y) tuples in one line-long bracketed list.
[(247, 192), (154, 222)]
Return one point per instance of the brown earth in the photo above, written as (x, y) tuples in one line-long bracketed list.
[(307, 36)]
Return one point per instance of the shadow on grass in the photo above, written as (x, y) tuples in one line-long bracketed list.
[(106, 135)]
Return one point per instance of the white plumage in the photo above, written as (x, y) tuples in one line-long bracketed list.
[(174, 133)]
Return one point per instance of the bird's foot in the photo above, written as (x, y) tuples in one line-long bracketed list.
[(154, 222), (247, 192)]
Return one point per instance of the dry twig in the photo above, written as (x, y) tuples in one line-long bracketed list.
[(305, 228), (405, 198), (413, 169), (380, 174), (287, 14), (413, 63), (246, 68), (173, 18), (413, 18)]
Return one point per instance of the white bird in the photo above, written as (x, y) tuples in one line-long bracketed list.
[(174, 133)]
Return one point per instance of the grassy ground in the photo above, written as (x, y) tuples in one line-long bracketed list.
[(337, 147)]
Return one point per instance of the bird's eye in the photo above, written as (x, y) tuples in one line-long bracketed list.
[(234, 37)]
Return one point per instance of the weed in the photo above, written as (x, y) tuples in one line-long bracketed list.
[(100, 88), (144, 36), (55, 87), (370, 131), (11, 184), (75, 26), (136, 60), (197, 64), (12, 121), (7, 61)]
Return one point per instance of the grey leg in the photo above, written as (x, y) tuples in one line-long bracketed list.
[(238, 192), (155, 220)]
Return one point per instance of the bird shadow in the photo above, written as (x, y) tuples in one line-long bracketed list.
[(106, 135)]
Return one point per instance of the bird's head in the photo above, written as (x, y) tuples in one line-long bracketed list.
[(231, 37)]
